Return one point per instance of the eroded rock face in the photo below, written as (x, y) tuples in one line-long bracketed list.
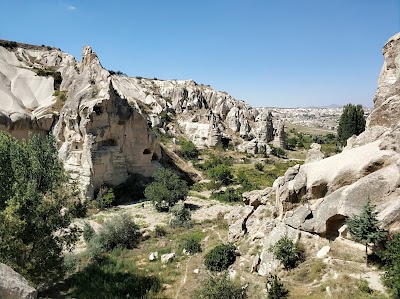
[(313, 201), (386, 111), (204, 115), (101, 136), (368, 168), (14, 286)]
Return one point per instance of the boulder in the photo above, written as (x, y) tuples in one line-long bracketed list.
[(323, 252), (153, 256), (314, 153), (167, 257), (14, 286)]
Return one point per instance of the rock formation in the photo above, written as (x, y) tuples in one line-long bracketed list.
[(313, 200), (204, 115), (103, 122), (102, 138), (14, 286)]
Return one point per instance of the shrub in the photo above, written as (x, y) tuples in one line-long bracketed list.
[(88, 232), (276, 289), (160, 231), (278, 151), (166, 190), (287, 252), (259, 166), (188, 149), (105, 197), (220, 174), (220, 288), (220, 257), (118, 232), (229, 195), (182, 217), (192, 245)]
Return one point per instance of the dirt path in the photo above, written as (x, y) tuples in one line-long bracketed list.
[(218, 234), (184, 278)]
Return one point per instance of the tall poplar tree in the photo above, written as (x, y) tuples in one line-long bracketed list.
[(352, 122)]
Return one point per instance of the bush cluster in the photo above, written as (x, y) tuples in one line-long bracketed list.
[(118, 232), (289, 253), (188, 149), (220, 288), (220, 257)]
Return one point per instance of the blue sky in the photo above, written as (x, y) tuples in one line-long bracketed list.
[(270, 53)]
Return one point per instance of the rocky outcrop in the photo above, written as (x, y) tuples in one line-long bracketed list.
[(204, 115), (14, 286), (386, 111), (367, 169), (102, 137), (314, 153), (313, 201)]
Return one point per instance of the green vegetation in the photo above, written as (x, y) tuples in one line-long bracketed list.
[(364, 228), (220, 175), (88, 232), (352, 121), (34, 205), (220, 288), (166, 190), (229, 195), (104, 198), (391, 259), (220, 257), (112, 277), (277, 151), (289, 253), (250, 178), (276, 289), (192, 245), (182, 217), (188, 149), (119, 232), (259, 166)]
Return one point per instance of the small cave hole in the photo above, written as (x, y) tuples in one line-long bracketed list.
[(333, 224), (98, 110), (154, 157), (147, 151)]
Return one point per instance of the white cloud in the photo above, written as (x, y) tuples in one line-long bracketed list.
[(71, 7)]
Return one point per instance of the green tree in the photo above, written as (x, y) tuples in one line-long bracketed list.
[(220, 257), (287, 252), (35, 208), (391, 258), (276, 289), (352, 121), (220, 288), (364, 228), (166, 190), (220, 174), (188, 149)]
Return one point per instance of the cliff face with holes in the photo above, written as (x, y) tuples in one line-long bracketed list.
[(101, 137), (103, 122)]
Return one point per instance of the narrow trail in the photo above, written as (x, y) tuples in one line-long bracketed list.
[(218, 234), (184, 278)]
